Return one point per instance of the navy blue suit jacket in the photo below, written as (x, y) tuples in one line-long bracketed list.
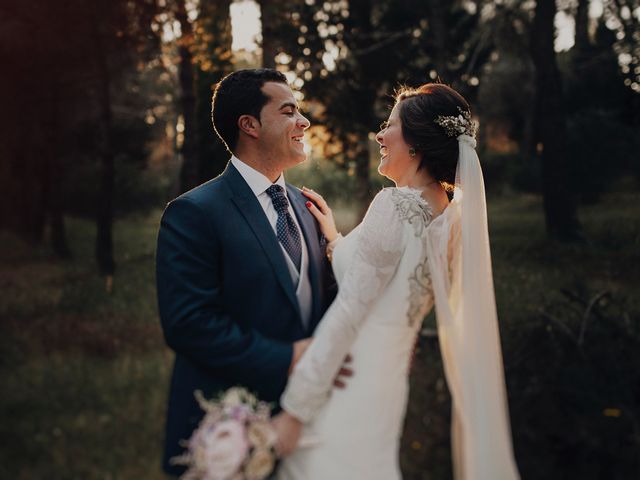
[(227, 302)]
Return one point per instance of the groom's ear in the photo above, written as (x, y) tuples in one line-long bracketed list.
[(249, 125)]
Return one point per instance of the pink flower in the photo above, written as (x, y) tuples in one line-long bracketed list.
[(239, 412), (219, 449)]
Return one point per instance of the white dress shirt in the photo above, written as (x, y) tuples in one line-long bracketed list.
[(258, 184)]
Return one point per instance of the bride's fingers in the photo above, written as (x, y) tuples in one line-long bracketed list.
[(343, 374), (315, 211), (311, 194), (317, 198)]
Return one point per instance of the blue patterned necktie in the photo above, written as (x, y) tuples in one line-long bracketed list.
[(286, 229)]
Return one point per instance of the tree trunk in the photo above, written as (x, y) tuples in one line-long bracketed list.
[(438, 29), (104, 213), (528, 145), (189, 175), (54, 195), (269, 19), (582, 41), (212, 155), (42, 183), (33, 169), (104, 219), (559, 204), (364, 98)]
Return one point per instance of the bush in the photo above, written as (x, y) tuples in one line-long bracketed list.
[(575, 389)]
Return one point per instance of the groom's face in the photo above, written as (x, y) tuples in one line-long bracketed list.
[(282, 127)]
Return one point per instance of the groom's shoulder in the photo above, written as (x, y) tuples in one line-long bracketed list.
[(207, 193), (293, 190), (204, 201)]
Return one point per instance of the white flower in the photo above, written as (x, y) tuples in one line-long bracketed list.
[(261, 434), (233, 397), (259, 465)]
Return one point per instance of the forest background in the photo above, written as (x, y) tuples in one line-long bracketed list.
[(106, 117)]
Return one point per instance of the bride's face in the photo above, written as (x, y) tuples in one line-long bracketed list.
[(395, 160)]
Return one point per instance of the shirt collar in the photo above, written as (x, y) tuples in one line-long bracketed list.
[(257, 182)]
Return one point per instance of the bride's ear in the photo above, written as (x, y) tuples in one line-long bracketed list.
[(249, 125)]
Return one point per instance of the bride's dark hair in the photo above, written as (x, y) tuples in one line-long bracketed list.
[(418, 109)]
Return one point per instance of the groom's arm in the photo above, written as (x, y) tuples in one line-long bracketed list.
[(194, 321)]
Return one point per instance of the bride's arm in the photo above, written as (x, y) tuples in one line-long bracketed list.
[(379, 248)]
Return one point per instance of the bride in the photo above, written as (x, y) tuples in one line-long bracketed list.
[(414, 249)]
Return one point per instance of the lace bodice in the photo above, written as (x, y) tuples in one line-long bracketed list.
[(383, 277)]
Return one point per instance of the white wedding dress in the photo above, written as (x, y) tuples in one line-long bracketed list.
[(384, 293), (391, 270)]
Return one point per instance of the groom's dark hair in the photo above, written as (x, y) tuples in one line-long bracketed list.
[(240, 93)]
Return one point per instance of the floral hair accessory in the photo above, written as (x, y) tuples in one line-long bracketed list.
[(454, 126)]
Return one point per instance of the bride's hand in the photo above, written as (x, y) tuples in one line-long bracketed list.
[(288, 429), (319, 209)]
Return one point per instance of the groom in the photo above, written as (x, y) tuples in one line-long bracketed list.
[(242, 276)]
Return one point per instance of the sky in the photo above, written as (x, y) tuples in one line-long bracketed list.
[(245, 24)]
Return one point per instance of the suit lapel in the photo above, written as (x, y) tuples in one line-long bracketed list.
[(310, 235), (250, 209)]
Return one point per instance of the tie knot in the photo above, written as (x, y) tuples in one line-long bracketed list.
[(279, 199)]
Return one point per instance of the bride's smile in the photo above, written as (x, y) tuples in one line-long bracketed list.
[(395, 158)]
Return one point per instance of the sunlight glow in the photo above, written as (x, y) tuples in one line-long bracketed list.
[(245, 25), (566, 26), (565, 31)]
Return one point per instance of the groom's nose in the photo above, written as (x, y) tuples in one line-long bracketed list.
[(379, 137), (303, 122)]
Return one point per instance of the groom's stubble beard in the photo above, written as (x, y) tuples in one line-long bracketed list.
[(278, 152), (280, 159)]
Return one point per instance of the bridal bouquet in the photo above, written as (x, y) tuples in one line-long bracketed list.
[(234, 440)]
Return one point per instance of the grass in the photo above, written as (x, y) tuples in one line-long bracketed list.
[(86, 373)]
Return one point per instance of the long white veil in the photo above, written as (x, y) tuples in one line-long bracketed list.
[(460, 264)]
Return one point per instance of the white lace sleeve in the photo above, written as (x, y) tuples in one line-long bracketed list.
[(379, 248)]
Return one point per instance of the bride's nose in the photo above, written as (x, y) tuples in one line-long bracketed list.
[(379, 137)]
